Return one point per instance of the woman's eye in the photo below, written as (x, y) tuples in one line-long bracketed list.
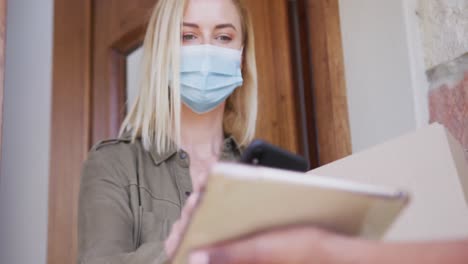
[(224, 38), (188, 37)]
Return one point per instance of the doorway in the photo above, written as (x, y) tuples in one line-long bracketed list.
[(302, 104)]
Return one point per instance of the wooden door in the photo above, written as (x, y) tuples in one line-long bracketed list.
[(119, 29), (92, 39)]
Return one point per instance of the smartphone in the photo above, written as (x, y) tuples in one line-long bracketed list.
[(262, 153)]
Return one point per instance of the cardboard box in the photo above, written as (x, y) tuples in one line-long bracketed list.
[(431, 165)]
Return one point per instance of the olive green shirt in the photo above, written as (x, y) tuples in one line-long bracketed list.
[(129, 199)]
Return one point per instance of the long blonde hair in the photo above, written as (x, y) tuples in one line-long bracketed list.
[(155, 114)]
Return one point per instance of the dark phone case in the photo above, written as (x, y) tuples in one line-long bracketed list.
[(262, 153)]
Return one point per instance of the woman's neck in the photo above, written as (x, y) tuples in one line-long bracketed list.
[(202, 135)]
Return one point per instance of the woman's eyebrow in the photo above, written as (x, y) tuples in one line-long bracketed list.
[(228, 25), (220, 26), (190, 25)]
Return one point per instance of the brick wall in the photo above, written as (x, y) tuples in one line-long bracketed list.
[(448, 97), (444, 29)]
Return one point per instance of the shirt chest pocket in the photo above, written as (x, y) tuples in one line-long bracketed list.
[(157, 221), (154, 228)]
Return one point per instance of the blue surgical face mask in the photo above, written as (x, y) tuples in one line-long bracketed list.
[(208, 76)]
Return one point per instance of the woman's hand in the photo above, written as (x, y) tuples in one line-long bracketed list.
[(296, 245), (173, 241)]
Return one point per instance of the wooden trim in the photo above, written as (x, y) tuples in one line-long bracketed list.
[(118, 75), (302, 81), (3, 11), (131, 41), (118, 88), (113, 89), (329, 89), (70, 124)]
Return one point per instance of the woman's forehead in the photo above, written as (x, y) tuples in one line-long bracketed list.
[(212, 12)]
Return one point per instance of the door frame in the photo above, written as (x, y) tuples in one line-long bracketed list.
[(321, 94)]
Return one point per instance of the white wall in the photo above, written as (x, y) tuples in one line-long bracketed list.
[(133, 76), (386, 93), (25, 153)]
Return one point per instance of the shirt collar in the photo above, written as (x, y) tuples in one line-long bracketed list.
[(159, 158), (231, 150)]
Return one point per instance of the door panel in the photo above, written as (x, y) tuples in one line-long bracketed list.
[(118, 31), (277, 122), (118, 28)]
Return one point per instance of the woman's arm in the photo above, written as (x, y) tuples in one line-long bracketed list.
[(310, 245), (105, 218)]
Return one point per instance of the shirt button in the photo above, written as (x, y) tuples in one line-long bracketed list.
[(228, 146), (182, 155), (188, 194)]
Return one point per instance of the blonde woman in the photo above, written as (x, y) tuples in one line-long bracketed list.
[(197, 104)]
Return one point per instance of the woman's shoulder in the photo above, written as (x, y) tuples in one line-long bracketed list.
[(115, 151), (112, 143), (114, 160)]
